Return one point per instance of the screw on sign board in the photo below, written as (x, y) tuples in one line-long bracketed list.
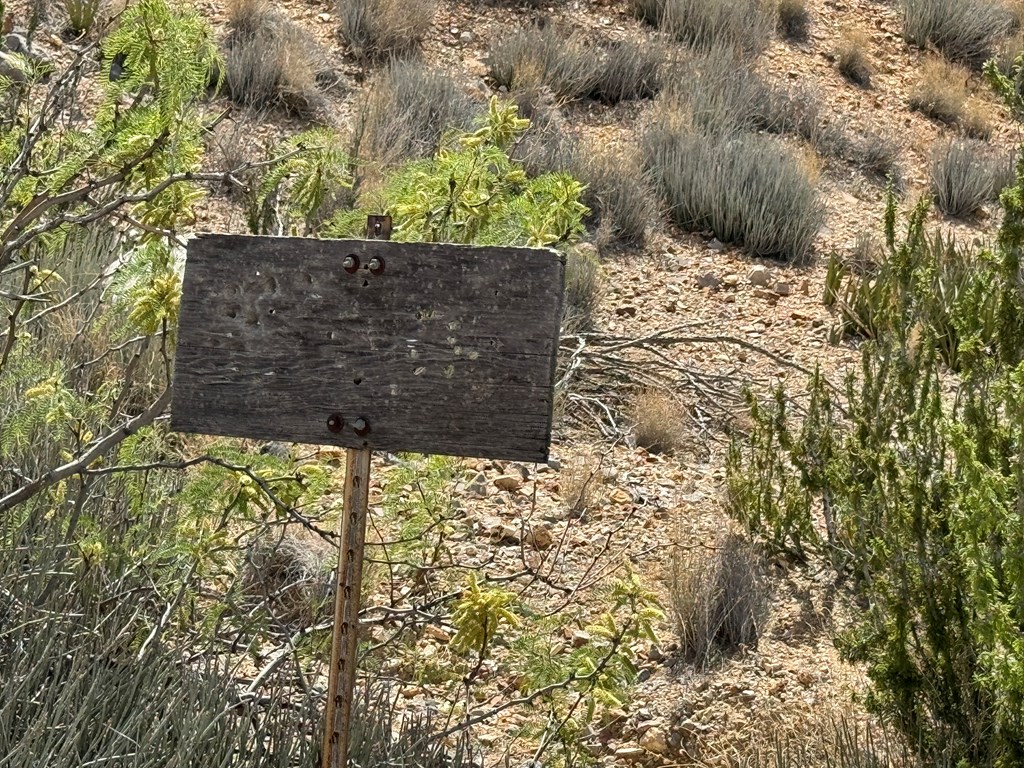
[(369, 345)]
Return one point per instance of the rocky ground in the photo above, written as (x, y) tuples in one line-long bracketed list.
[(651, 507)]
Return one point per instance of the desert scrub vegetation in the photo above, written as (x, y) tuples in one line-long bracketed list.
[(472, 191), (406, 112), (628, 70), (889, 464), (852, 58), (740, 25), (544, 58), (965, 31), (658, 423), (270, 62), (376, 30), (941, 93), (718, 597), (794, 21), (962, 177), (760, 196)]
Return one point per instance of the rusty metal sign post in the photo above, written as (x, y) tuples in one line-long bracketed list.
[(422, 347)]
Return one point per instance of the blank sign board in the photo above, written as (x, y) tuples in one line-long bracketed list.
[(423, 347)]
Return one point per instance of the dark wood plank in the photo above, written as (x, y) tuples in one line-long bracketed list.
[(450, 349)]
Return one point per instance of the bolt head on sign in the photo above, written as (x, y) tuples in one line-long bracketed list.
[(423, 347)]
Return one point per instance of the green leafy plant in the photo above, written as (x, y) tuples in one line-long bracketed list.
[(472, 191)]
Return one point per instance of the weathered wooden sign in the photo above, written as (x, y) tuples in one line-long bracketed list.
[(367, 344), (422, 347)]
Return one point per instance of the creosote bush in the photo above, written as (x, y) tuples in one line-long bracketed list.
[(718, 598), (407, 110), (382, 29), (794, 19), (542, 57), (961, 174), (270, 62), (965, 31), (852, 58)]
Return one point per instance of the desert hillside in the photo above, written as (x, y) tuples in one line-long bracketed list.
[(767, 208)]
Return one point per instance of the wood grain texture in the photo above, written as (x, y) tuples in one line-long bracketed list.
[(450, 349)]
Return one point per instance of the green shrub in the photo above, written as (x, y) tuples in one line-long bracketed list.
[(271, 62), (407, 109), (543, 58), (961, 177), (747, 189), (966, 31), (383, 29), (472, 191), (912, 495), (82, 14)]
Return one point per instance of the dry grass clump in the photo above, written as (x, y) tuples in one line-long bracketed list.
[(289, 571), (619, 193), (742, 25), (629, 70), (877, 154), (760, 194), (543, 58), (584, 286), (794, 19), (407, 111), (658, 423), (941, 93), (718, 598), (963, 30), (962, 177), (580, 483), (381, 29), (270, 62), (852, 58)]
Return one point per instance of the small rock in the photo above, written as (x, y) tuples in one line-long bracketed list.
[(275, 449), (324, 17), (731, 280), (626, 310), (760, 275), (655, 740), (631, 753), (783, 288), (580, 638), (761, 293), (509, 482), (708, 280), (540, 537), (434, 632), (478, 486), (747, 694), (671, 306), (475, 67), (619, 496), (694, 728), (15, 43), (716, 245), (467, 37), (12, 69), (655, 654), (554, 464)]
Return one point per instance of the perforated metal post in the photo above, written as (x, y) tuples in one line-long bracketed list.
[(341, 682)]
